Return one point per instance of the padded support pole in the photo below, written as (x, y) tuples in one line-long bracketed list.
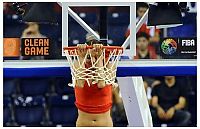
[(135, 101)]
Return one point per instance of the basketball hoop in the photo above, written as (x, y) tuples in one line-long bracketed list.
[(110, 56)]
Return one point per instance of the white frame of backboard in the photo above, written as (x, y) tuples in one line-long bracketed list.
[(133, 28)]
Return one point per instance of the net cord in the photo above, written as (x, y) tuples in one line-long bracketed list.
[(94, 73)]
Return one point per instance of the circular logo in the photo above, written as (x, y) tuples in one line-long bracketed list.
[(169, 46)]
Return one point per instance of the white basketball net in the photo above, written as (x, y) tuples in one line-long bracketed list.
[(94, 73)]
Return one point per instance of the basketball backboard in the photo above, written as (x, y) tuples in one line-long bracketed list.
[(128, 43)]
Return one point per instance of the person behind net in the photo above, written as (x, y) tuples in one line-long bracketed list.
[(94, 102)]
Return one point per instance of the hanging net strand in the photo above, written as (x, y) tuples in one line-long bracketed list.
[(110, 56)]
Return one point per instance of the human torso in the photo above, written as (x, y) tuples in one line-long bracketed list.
[(95, 120)]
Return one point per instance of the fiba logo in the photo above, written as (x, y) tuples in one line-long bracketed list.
[(169, 46)]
